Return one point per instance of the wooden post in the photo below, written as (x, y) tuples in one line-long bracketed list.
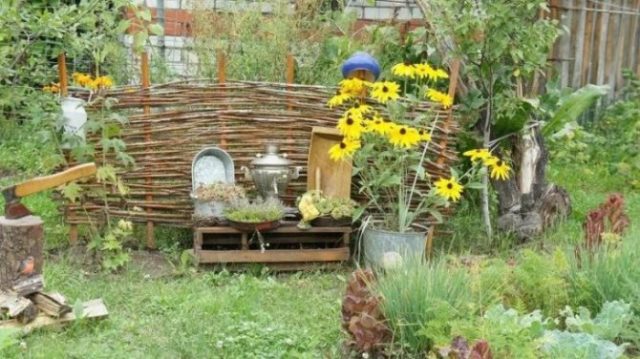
[(453, 83), (146, 83), (62, 75), (64, 91), (221, 64), (20, 239)]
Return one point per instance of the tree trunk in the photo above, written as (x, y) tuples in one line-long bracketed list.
[(527, 203), (20, 239)]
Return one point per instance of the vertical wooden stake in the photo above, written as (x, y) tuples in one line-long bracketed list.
[(429, 241), (62, 75), (290, 77), (146, 83), (221, 63), (453, 83), (64, 92)]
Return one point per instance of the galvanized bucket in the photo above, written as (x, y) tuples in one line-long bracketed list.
[(386, 248), (209, 166)]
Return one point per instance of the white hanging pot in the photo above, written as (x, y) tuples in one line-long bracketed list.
[(75, 117)]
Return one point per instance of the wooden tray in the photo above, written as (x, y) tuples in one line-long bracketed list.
[(333, 178)]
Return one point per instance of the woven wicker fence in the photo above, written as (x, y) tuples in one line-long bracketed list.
[(182, 118)]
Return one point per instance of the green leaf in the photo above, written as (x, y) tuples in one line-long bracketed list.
[(123, 26), (139, 40), (436, 214), (573, 106), (78, 309), (72, 192), (144, 15), (106, 173), (156, 29)]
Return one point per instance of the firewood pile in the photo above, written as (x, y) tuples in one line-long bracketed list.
[(27, 306)]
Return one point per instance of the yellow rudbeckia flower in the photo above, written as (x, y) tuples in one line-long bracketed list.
[(345, 149), (478, 154), (499, 168), (350, 126), (338, 99), (404, 69), (385, 91), (353, 86), (449, 189), (440, 97), (404, 136)]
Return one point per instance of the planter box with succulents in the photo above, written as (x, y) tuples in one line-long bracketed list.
[(210, 201)]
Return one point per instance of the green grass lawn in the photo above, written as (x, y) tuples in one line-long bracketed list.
[(220, 315)]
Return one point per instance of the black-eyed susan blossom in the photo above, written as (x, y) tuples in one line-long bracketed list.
[(345, 149), (403, 136), (385, 91), (101, 82), (404, 69), (499, 169), (52, 88), (449, 188), (81, 79), (350, 126), (444, 99), (353, 86), (338, 99), (424, 135), (481, 154), (359, 109)]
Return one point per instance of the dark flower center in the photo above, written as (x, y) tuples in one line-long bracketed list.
[(385, 89), (338, 92), (386, 120), (349, 121), (407, 63), (421, 132), (357, 105), (499, 163), (378, 122), (343, 145), (449, 185), (403, 131)]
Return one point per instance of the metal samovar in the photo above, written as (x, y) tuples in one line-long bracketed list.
[(271, 172)]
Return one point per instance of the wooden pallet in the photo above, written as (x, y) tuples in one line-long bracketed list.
[(316, 245)]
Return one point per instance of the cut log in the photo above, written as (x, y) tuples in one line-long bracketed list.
[(93, 309), (21, 240), (15, 306), (51, 304), (27, 286)]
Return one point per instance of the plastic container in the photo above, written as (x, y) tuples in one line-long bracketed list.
[(75, 117)]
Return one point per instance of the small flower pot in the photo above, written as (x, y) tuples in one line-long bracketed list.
[(252, 227)]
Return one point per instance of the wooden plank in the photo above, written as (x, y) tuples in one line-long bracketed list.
[(580, 36), (275, 256), (281, 229), (615, 78), (51, 304), (145, 73), (93, 309), (333, 178), (602, 46), (633, 56), (565, 45), (587, 53), (29, 285), (281, 238)]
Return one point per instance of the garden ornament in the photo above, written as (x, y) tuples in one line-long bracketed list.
[(362, 66), (13, 209), (271, 172)]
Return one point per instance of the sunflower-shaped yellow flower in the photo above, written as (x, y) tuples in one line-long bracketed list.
[(379, 126), (404, 69), (385, 91), (499, 168), (81, 79), (440, 74), (449, 188), (404, 136), (353, 86), (102, 82), (359, 109), (481, 154), (425, 71), (424, 135), (345, 149), (338, 99), (440, 97), (350, 126)]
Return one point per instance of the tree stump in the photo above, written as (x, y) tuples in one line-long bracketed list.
[(19, 239)]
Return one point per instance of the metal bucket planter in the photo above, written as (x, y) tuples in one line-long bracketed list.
[(209, 166), (388, 248)]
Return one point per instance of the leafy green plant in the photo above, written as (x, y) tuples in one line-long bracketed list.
[(109, 246), (256, 211), (560, 344)]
